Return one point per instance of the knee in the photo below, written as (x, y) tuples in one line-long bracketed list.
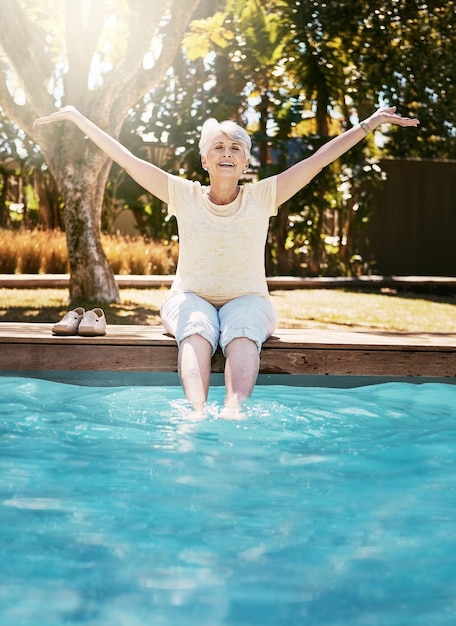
[(244, 347), (195, 345)]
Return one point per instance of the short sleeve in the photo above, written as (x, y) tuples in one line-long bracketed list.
[(264, 194), (179, 191)]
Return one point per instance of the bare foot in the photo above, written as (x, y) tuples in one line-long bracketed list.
[(232, 410)]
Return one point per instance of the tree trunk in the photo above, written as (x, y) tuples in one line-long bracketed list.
[(283, 260), (91, 277), (82, 174)]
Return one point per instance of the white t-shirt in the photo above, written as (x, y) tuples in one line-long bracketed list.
[(221, 248)]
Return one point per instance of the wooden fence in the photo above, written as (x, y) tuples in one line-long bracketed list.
[(413, 229)]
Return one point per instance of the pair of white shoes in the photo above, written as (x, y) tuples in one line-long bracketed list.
[(80, 322)]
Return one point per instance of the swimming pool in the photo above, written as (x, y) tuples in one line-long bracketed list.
[(328, 507)]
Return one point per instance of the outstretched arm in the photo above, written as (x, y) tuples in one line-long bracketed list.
[(296, 177), (149, 176)]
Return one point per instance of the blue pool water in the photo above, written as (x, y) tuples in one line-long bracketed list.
[(328, 507)]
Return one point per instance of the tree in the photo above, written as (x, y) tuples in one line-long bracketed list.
[(102, 56), (401, 52)]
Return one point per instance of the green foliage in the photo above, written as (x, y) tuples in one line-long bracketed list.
[(25, 184), (197, 44)]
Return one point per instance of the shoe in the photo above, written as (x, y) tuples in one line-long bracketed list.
[(93, 323), (69, 323)]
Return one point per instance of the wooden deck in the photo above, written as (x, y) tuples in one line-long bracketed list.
[(32, 347)]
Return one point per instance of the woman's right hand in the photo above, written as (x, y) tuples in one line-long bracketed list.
[(66, 113)]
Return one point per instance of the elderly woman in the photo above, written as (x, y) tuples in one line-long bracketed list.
[(220, 295)]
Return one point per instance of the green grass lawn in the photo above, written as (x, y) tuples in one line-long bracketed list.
[(300, 308), (375, 311)]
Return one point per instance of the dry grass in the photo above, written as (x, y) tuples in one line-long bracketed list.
[(32, 252), (45, 252), (301, 308)]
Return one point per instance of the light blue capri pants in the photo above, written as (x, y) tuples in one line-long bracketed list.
[(184, 314)]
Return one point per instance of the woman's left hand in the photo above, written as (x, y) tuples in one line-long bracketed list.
[(388, 115)]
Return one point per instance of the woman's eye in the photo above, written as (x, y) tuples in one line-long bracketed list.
[(222, 147)]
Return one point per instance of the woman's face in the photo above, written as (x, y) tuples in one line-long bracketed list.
[(225, 157)]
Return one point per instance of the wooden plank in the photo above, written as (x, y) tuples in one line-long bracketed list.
[(359, 362), (19, 332), (315, 361), (153, 281), (430, 363), (290, 337), (87, 357)]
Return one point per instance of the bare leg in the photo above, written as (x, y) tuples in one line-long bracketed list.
[(241, 371), (194, 365)]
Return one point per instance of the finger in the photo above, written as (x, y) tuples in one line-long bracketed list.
[(46, 119), (41, 120)]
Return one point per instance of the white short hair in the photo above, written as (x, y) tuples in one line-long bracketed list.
[(212, 128)]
